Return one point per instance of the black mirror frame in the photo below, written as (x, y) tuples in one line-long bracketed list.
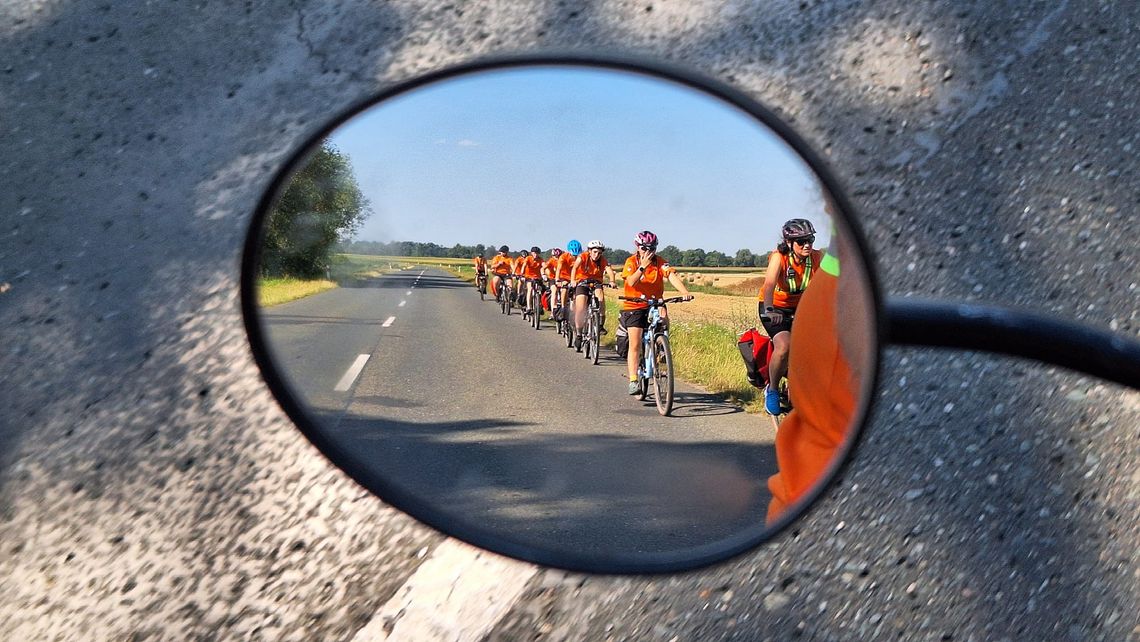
[(472, 533)]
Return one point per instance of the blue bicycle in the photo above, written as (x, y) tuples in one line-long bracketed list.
[(656, 356)]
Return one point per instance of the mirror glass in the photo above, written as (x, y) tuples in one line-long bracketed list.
[(374, 334)]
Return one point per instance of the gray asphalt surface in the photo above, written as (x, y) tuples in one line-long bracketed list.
[(504, 428), (151, 488)]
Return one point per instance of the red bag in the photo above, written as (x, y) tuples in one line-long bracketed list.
[(546, 301), (756, 350)]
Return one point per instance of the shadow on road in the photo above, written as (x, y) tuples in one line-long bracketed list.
[(582, 491)]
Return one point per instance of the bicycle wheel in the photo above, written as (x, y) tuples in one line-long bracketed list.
[(663, 374), (597, 339)]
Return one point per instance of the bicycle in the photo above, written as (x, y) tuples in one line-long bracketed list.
[(562, 316), (504, 294), (481, 284), (590, 337), (656, 356), (535, 309)]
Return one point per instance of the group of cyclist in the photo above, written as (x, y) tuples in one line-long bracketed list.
[(572, 274), (832, 336), (575, 272)]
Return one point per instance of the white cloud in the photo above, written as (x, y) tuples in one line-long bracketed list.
[(467, 142)]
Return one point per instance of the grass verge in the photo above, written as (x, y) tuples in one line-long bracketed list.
[(277, 291)]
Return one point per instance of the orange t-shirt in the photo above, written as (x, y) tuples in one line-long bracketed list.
[(785, 295), (565, 264), (589, 270), (501, 265), (652, 283), (480, 264), (532, 267), (550, 267), (517, 264), (818, 424)]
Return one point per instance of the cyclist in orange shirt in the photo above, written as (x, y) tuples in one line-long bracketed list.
[(644, 273), (832, 352), (480, 270), (790, 270), (531, 270), (565, 268), (500, 269), (589, 266), (552, 272), (517, 270)]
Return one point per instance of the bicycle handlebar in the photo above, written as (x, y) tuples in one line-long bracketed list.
[(655, 302)]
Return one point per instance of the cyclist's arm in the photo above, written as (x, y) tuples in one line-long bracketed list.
[(679, 283), (574, 271), (610, 274), (775, 262)]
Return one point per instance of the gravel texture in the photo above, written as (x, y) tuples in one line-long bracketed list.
[(150, 487)]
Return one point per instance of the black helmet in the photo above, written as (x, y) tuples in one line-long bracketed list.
[(504, 248), (536, 249), (798, 228)]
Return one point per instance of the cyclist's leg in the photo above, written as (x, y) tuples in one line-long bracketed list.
[(778, 365), (581, 305), (600, 293)]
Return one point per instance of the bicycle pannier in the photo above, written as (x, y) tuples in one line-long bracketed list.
[(756, 350), (621, 339)]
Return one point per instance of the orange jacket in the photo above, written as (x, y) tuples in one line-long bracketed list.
[(652, 283), (517, 264), (824, 395)]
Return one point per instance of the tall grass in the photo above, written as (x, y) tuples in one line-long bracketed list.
[(277, 291)]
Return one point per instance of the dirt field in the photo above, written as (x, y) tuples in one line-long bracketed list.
[(736, 313)]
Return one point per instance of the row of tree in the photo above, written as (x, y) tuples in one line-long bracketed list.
[(671, 253)]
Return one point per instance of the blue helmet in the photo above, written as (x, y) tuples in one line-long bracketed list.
[(574, 247)]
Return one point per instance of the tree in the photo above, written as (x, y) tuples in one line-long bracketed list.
[(717, 259), (744, 258), (671, 254), (321, 205), (693, 258), (616, 257)]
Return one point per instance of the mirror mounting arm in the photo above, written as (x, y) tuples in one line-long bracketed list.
[(918, 322)]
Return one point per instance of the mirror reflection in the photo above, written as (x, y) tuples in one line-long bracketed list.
[(555, 304)]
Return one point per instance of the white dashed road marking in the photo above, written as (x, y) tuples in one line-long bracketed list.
[(353, 372), (409, 293), (458, 593), (401, 304), (389, 321)]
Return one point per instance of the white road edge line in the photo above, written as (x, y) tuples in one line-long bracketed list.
[(401, 304), (409, 293), (389, 321), (459, 593), (353, 372)]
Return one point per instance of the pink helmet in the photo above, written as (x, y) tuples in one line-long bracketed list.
[(556, 252), (645, 237)]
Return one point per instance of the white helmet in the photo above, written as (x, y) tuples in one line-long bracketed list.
[(595, 244)]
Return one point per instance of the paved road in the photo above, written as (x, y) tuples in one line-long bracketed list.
[(506, 428)]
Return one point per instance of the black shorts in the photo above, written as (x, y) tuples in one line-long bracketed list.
[(635, 318), (775, 328), (584, 290)]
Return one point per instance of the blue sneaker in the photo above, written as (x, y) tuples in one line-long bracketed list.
[(772, 401)]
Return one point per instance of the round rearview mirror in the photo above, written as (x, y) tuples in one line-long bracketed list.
[(513, 398)]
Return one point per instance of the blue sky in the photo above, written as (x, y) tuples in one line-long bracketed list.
[(538, 156)]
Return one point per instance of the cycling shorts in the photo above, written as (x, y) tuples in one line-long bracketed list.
[(584, 290), (775, 328), (635, 318)]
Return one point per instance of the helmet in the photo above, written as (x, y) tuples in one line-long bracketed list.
[(645, 237), (574, 247), (536, 250), (556, 252), (523, 253), (797, 228), (595, 244), (504, 248)]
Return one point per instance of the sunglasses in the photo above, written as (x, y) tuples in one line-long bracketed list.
[(804, 240), (647, 248)]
